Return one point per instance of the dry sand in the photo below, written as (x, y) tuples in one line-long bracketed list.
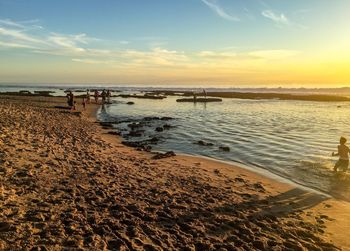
[(67, 184)]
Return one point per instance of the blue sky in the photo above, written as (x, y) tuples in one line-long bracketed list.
[(131, 41)]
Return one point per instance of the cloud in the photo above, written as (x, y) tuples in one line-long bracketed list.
[(273, 54), (279, 19), (91, 61), (30, 35), (156, 56), (212, 4)]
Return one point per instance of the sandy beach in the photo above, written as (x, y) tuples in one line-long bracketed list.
[(66, 183)]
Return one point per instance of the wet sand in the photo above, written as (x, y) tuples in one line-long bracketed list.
[(68, 184)]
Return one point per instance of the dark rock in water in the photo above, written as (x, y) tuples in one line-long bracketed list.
[(224, 148), (135, 133), (134, 125), (25, 92), (139, 145), (106, 124), (164, 155), (167, 126), (202, 143), (199, 100), (154, 140), (145, 148), (150, 118), (130, 103), (113, 133), (166, 118), (159, 129)]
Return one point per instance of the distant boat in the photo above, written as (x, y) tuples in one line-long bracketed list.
[(201, 100)]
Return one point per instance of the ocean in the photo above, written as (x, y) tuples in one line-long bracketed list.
[(293, 139)]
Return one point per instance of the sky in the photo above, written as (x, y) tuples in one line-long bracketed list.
[(241, 43)]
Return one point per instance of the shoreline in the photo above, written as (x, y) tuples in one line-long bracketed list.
[(279, 183), (107, 195)]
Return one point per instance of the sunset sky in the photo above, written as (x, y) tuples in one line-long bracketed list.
[(176, 42)]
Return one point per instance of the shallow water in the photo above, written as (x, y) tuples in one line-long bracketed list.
[(293, 139)]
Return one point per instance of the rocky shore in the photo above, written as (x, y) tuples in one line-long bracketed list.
[(66, 183)]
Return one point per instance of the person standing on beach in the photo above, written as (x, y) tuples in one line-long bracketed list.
[(103, 94), (96, 95), (205, 93), (70, 99), (87, 96), (108, 96), (84, 103), (194, 97), (343, 153)]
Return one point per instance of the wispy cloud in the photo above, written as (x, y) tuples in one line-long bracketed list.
[(273, 54), (79, 48), (278, 18), (212, 4)]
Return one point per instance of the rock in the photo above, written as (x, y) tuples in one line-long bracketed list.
[(164, 155), (135, 133), (159, 129), (130, 103), (166, 118), (224, 148), (134, 125), (139, 145), (113, 133), (202, 143), (106, 124), (153, 140), (167, 126), (150, 118)]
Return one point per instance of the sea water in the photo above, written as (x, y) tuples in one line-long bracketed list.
[(293, 139)]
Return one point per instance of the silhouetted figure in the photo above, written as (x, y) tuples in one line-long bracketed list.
[(103, 95), (70, 100), (109, 96), (343, 153), (84, 103), (96, 95), (205, 94), (87, 97), (194, 97)]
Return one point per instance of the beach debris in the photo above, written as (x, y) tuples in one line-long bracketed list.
[(224, 148), (164, 155)]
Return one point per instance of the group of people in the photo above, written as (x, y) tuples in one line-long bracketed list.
[(105, 95), (195, 95)]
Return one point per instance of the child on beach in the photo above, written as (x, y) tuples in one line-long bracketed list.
[(84, 103), (343, 153)]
